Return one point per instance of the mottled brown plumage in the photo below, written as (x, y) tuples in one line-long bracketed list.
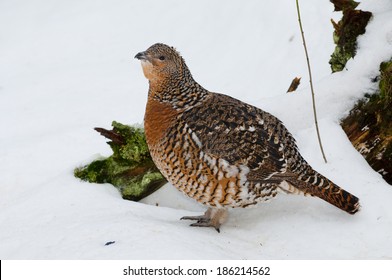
[(218, 150)]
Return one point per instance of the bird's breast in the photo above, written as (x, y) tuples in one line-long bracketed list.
[(159, 117)]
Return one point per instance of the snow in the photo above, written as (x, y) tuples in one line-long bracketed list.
[(67, 66)]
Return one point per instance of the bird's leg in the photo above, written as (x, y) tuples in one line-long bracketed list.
[(213, 217)]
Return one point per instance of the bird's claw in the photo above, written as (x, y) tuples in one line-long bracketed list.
[(201, 218), (206, 224), (211, 218)]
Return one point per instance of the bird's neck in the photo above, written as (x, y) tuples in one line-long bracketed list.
[(182, 91)]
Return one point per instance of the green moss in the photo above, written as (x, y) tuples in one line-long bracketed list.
[(352, 24), (130, 168), (143, 185), (339, 59), (92, 172), (134, 147), (386, 83)]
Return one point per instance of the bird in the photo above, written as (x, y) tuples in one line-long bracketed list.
[(220, 151)]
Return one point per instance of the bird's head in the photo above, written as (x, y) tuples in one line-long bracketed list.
[(161, 62)]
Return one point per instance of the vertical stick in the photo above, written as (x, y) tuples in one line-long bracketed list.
[(311, 83)]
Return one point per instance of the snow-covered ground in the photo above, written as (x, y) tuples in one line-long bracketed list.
[(67, 66)]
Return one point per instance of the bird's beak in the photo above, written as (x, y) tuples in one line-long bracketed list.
[(141, 56)]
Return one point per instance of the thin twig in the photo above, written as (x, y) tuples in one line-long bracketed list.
[(311, 83)]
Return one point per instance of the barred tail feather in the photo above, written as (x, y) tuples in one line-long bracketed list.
[(320, 186)]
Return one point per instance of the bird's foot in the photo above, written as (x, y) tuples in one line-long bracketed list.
[(213, 217)]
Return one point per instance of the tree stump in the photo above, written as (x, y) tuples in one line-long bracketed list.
[(352, 24), (369, 125), (130, 168)]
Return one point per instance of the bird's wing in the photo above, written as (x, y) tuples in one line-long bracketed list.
[(241, 134)]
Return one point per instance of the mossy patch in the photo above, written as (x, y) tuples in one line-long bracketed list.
[(130, 168), (352, 24), (369, 125)]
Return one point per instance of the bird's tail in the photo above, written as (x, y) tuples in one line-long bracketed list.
[(318, 185)]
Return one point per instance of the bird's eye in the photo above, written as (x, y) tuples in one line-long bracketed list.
[(161, 57)]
